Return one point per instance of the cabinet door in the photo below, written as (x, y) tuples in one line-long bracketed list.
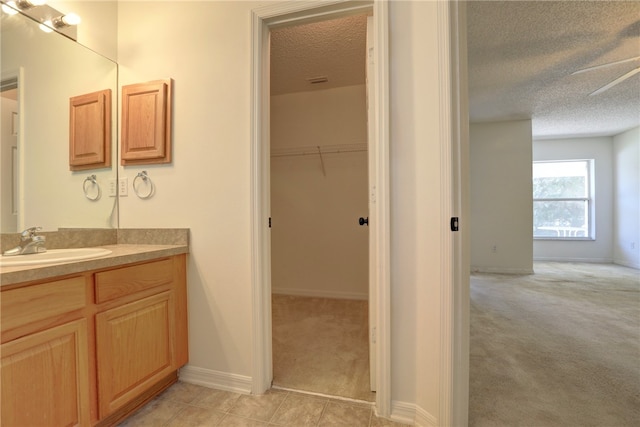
[(146, 123), (135, 349), (45, 378), (90, 130)]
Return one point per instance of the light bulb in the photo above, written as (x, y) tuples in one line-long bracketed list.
[(71, 19), (46, 26), (65, 20), (10, 8)]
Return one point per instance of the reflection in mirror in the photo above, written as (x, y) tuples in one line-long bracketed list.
[(9, 155), (40, 73)]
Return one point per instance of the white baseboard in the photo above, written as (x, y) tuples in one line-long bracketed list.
[(403, 412), (569, 259), (625, 263), (320, 293), (216, 379), (500, 270), (410, 413), (425, 419)]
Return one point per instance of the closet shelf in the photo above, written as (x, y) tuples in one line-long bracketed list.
[(318, 150)]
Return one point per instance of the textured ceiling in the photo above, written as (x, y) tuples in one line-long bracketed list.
[(334, 49), (521, 56)]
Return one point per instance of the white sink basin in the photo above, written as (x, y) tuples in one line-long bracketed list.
[(52, 256)]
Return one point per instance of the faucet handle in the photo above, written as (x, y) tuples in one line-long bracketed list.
[(30, 232)]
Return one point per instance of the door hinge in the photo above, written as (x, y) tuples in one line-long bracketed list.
[(269, 222), (373, 335), (454, 223)]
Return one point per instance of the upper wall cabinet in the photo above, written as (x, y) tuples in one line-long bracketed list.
[(90, 131), (146, 123)]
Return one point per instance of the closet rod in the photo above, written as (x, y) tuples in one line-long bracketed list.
[(307, 151)]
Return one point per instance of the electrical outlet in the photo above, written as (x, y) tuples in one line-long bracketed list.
[(494, 248), (123, 189), (113, 187)]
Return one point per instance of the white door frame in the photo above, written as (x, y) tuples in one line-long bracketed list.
[(18, 73), (286, 13), (454, 106), (371, 179)]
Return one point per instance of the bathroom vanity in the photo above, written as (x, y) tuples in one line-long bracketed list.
[(86, 343)]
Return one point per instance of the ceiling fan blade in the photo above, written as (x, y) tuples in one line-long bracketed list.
[(616, 81), (609, 64)]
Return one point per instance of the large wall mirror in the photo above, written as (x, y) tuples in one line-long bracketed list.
[(40, 72)]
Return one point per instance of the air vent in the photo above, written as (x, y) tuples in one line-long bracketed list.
[(316, 80)]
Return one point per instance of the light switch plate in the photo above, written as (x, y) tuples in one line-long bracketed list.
[(124, 184), (113, 187)]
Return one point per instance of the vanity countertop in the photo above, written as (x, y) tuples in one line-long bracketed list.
[(121, 254)]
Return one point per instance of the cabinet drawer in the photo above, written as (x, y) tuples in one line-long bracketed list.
[(113, 284), (22, 306)]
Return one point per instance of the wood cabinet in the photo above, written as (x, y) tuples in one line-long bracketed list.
[(88, 350), (146, 123), (45, 379), (44, 363), (135, 349), (90, 131)]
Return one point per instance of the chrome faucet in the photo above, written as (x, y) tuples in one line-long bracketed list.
[(30, 243)]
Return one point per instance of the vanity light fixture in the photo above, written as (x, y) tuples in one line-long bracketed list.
[(14, 6), (28, 4), (62, 21), (65, 20), (50, 19)]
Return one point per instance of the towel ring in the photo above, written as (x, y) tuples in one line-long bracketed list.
[(146, 180), (91, 179)]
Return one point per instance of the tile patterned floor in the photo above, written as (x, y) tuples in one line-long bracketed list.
[(189, 405)]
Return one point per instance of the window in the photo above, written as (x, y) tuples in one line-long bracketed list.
[(562, 199)]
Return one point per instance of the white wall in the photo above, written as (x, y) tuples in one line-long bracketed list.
[(600, 149), (626, 221), (319, 117), (501, 197), (416, 211), (317, 246), (98, 29), (205, 48)]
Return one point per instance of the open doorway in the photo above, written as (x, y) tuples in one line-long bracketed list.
[(319, 207), (285, 14)]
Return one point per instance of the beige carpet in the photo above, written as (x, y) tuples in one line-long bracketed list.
[(320, 345), (558, 348)]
